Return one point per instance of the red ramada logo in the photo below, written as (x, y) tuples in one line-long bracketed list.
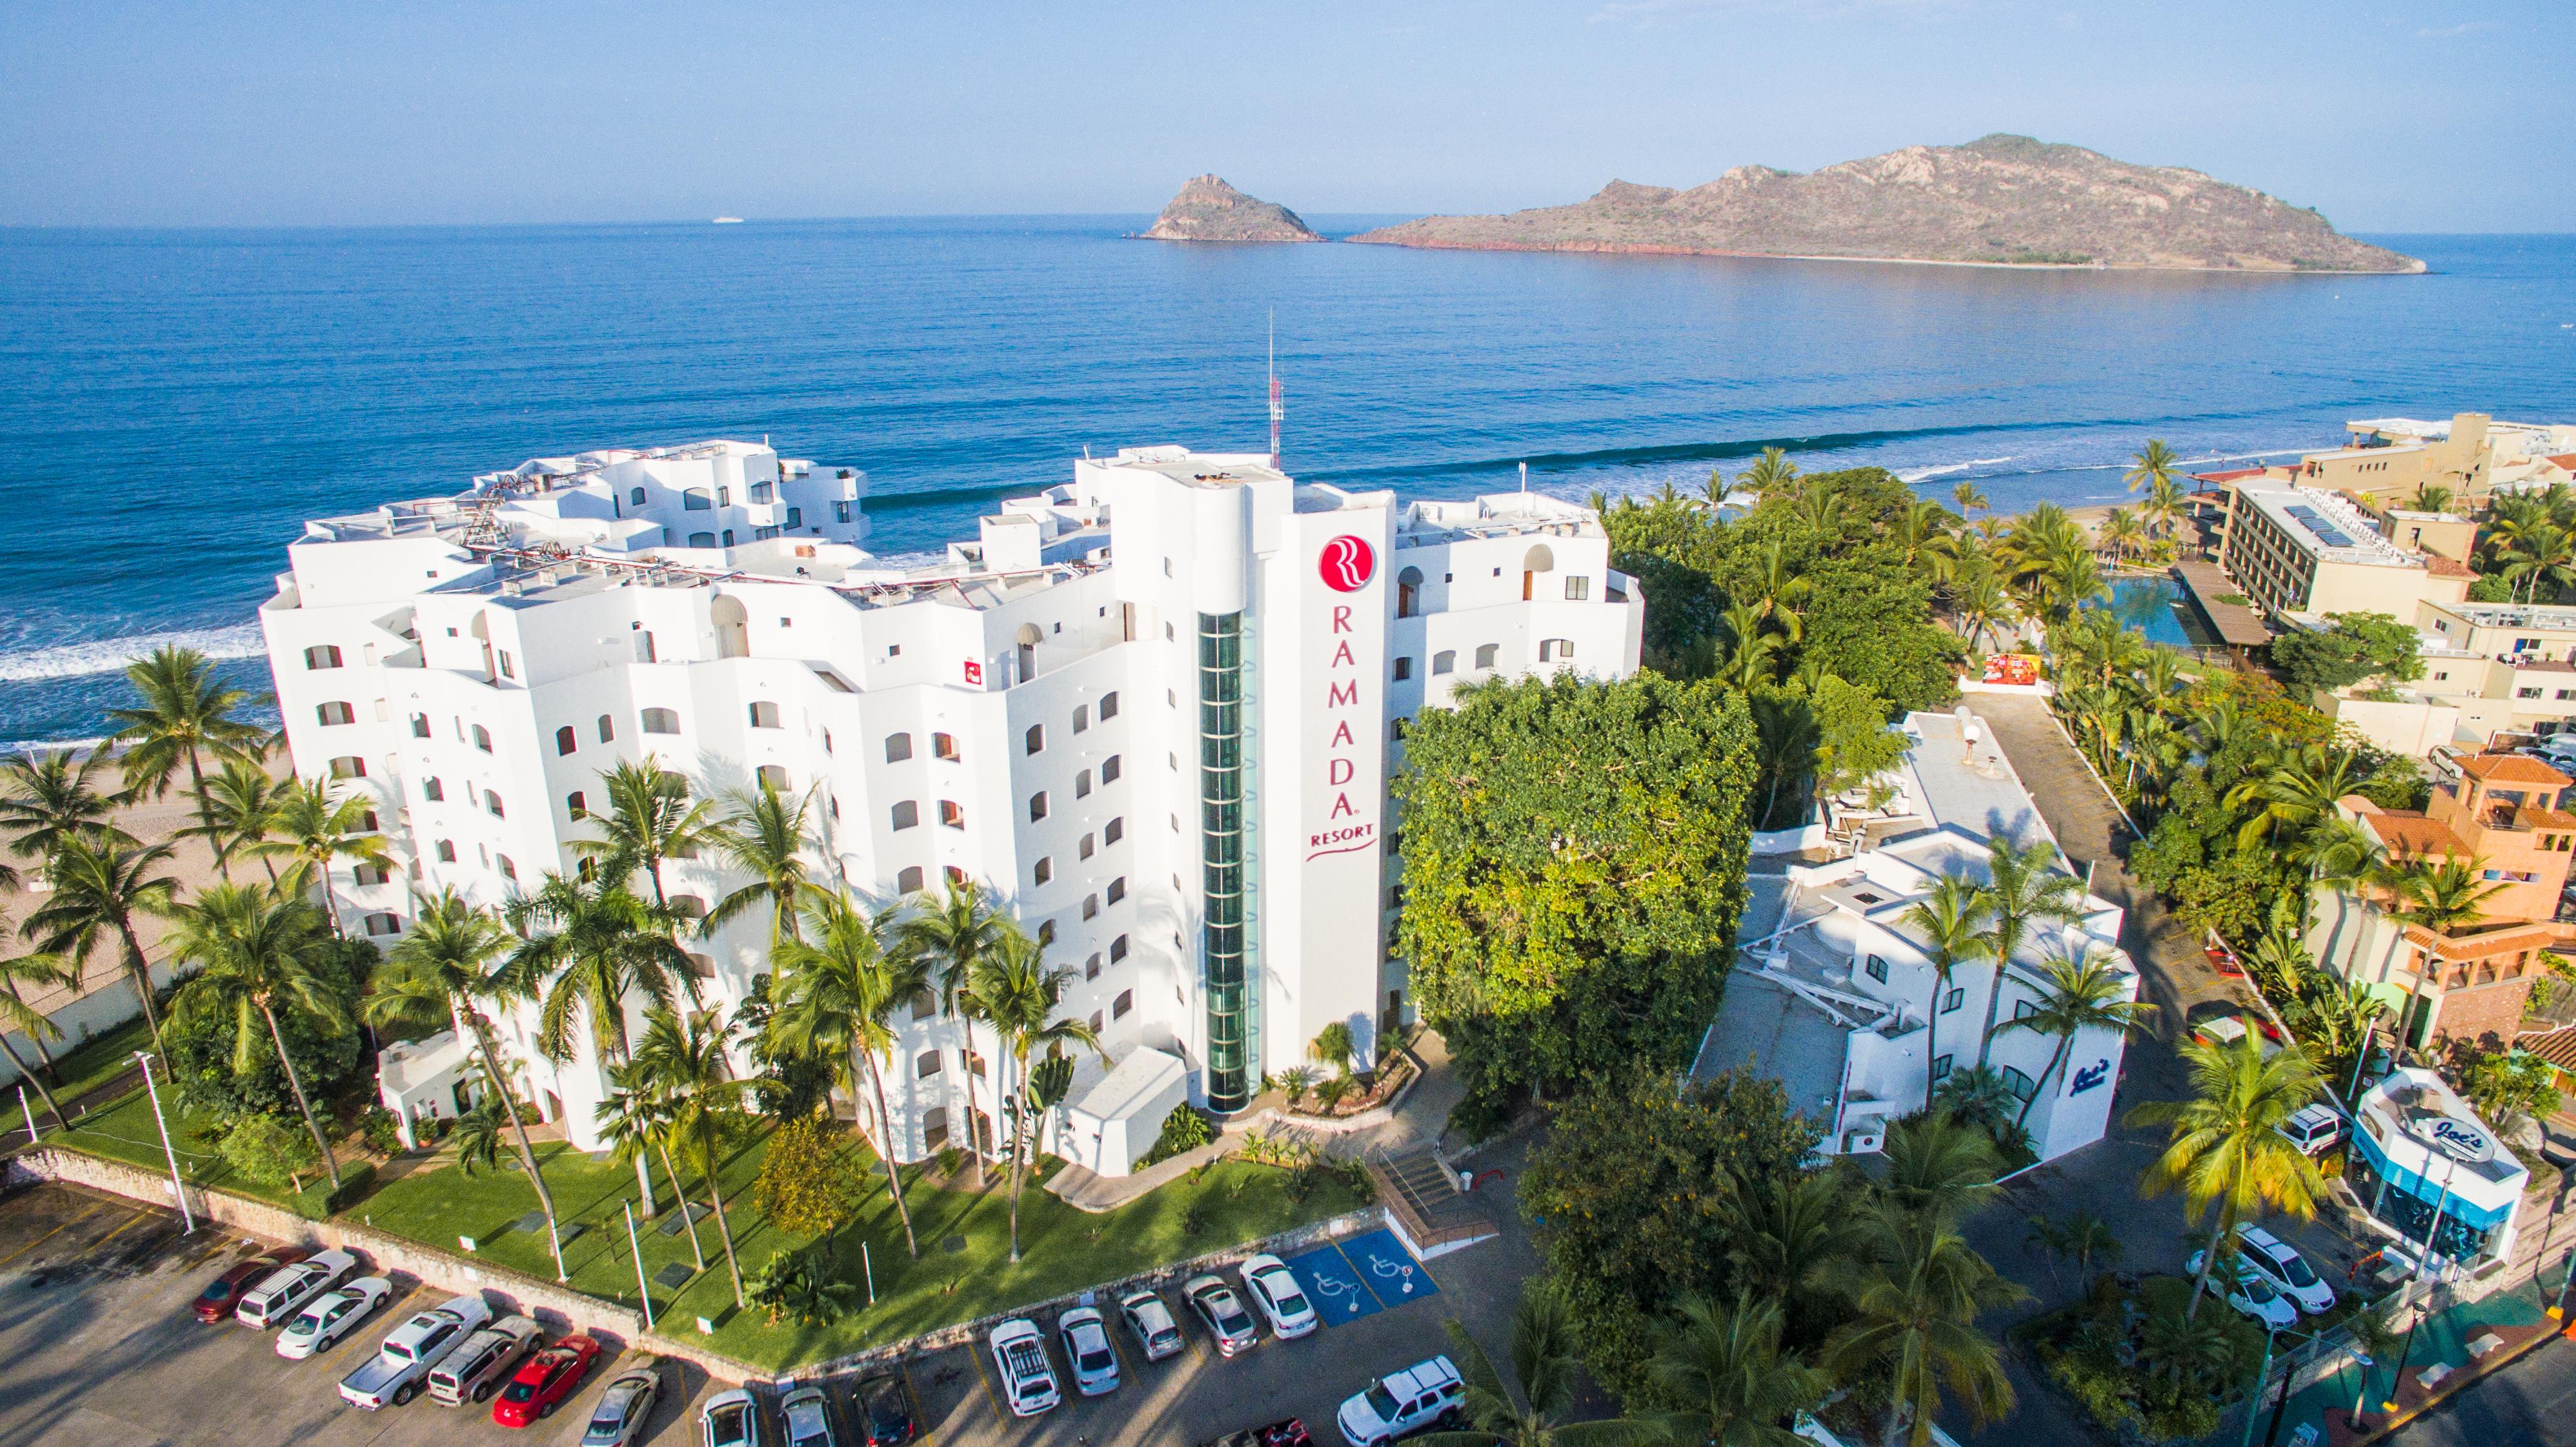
[(1348, 563)]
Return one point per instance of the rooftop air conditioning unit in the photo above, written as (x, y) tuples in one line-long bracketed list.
[(1866, 1140)]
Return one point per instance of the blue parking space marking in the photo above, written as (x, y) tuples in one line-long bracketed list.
[(1388, 1269), (1333, 1286)]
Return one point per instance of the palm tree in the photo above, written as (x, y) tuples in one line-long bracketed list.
[(650, 818), (2120, 533), (2298, 790), (953, 937), (2432, 497), (1947, 919), (100, 885), (1779, 585), (837, 996), (2165, 505), (763, 835), (1334, 1046), (1545, 1359), (43, 971), (2225, 1151), (47, 798), (684, 1060), (260, 952), (1786, 1230), (600, 945), (1938, 1165), (2085, 992), (1736, 1386), (1752, 655), (1785, 737), (1980, 602), (2154, 463), (2023, 888), (1916, 1304), (2545, 552), (1771, 475), (452, 963), (242, 803), (637, 1121), (1968, 498), (1019, 994), (313, 831), (183, 717), (2442, 897)]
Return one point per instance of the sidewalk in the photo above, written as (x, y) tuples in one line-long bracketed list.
[(2503, 1327)]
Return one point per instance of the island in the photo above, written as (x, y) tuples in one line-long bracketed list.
[(1999, 201), (1207, 209)]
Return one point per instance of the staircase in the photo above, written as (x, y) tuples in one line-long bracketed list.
[(1423, 1201)]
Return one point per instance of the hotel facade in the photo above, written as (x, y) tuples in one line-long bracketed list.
[(1154, 711)]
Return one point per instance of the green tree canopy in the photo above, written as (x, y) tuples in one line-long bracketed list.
[(1574, 868), (2358, 646)]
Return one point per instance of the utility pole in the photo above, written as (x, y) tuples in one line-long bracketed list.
[(178, 1187)]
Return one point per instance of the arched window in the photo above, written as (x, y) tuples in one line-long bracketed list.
[(1109, 769), (433, 789), (322, 655), (773, 777), (733, 627), (1090, 907), (907, 880), (482, 738), (576, 806), (926, 1064), (336, 712), (509, 871), (636, 496), (688, 906), (1444, 661), (348, 766), (697, 499), (1082, 784), (1125, 1002), (1108, 707), (1091, 967), (447, 851), (1534, 562), (1037, 738), (1117, 949), (1408, 593), (420, 726), (952, 814), (944, 746), (1037, 806), (565, 741), (369, 874), (1485, 654), (1117, 889), (607, 729), (701, 966), (1044, 873), (728, 537), (898, 748), (702, 540), (764, 715), (492, 805), (661, 721), (907, 814)]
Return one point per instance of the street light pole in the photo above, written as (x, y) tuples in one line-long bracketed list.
[(643, 1287), (178, 1187), (2254, 1399)]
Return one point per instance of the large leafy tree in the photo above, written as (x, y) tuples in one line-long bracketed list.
[(2225, 1152), (1639, 1194), (260, 954), (452, 966), (1573, 869), (835, 998), (182, 717)]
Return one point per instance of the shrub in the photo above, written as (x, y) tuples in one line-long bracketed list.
[(1183, 1130), (381, 1130), (811, 1180), (798, 1285), (271, 1152), (2103, 1394)]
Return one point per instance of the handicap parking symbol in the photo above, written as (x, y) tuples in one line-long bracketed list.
[(1388, 1269), (1333, 1284)]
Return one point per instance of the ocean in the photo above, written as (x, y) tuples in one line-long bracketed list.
[(178, 401)]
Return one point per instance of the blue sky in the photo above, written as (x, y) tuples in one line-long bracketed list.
[(2388, 115)]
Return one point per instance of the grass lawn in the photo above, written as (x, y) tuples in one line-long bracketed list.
[(125, 1131), (1065, 1249), (98, 1061)]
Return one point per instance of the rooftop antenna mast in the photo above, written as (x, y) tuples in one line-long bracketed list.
[(1277, 411)]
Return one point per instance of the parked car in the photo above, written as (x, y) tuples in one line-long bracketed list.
[(474, 1371), (808, 1414), (540, 1386), (732, 1419), (1019, 1354), (331, 1316), (625, 1405), (885, 1414), (2281, 1264), (394, 1375), (1286, 1432), (223, 1295), (2253, 1294), (1085, 1335), (1274, 1289), (283, 1292), (1402, 1403), (2225, 1030), (2313, 1128), (1152, 1323), (1222, 1310)]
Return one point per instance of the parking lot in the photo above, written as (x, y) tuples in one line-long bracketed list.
[(98, 1349)]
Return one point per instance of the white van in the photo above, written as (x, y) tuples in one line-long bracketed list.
[(2314, 1128)]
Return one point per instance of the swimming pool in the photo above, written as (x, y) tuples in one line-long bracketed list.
[(2154, 609)]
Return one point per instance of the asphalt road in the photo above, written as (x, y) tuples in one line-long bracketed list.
[(98, 1349), (2529, 1404)]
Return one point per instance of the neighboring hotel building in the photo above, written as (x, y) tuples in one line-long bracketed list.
[(1154, 710), (1832, 993), (2305, 551)]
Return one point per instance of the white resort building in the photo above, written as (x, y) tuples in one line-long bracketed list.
[(1834, 994), (1154, 710)]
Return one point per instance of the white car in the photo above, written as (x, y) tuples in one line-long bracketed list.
[(1019, 1354), (2312, 1128), (396, 1373), (2253, 1294), (1152, 1322), (331, 1316), (1229, 1325), (732, 1418), (283, 1292), (808, 1415), (625, 1405), (2287, 1271), (1085, 1334), (1274, 1289), (1400, 1404)]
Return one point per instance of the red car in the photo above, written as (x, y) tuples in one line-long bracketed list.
[(544, 1381), (223, 1295)]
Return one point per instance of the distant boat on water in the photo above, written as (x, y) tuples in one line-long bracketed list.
[(728, 221)]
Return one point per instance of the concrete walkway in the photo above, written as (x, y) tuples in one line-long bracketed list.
[(1420, 1117)]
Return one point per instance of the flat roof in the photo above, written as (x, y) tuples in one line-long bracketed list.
[(1973, 789), (2237, 626), (1768, 1027), (2327, 525)]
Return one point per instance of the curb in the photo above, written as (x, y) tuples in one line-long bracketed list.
[(2486, 1369)]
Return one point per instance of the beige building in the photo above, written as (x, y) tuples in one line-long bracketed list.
[(2472, 455), (2297, 550), (2506, 630)]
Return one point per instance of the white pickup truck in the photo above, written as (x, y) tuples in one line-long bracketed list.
[(394, 1374)]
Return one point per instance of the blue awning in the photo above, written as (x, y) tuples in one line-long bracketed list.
[(2430, 1192)]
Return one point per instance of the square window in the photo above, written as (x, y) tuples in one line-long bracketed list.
[(1940, 1067), (1403, 669), (1877, 969)]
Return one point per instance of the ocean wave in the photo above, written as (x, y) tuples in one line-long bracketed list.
[(111, 655), (1926, 474)]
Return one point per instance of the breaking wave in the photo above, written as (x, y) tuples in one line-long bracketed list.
[(111, 655)]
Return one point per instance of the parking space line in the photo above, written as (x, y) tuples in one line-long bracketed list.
[(392, 1308), (139, 1217), (94, 1209), (920, 1404), (991, 1398)]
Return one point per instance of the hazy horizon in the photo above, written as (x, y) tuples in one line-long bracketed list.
[(2392, 117)]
